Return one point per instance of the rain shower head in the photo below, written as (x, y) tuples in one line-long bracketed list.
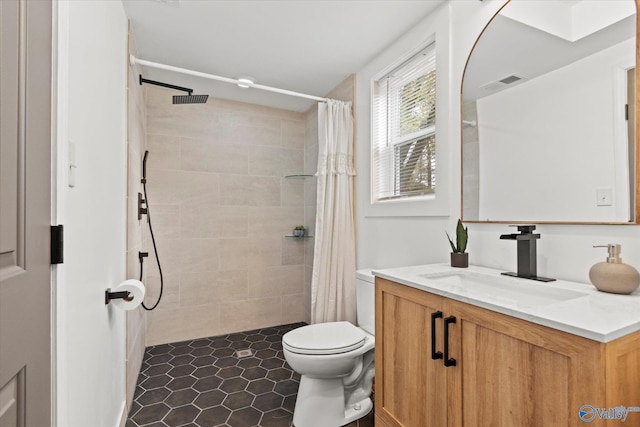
[(190, 99), (178, 99)]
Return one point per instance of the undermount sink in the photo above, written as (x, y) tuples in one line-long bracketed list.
[(513, 291)]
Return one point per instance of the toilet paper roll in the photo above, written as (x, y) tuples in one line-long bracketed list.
[(137, 291)]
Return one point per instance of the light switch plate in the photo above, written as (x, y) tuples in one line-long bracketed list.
[(604, 196), (71, 177)]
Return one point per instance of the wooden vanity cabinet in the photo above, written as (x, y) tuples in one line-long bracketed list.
[(411, 388), (508, 372)]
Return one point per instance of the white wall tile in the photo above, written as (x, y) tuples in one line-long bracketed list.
[(221, 207), (164, 152), (275, 161), (248, 190), (213, 156)]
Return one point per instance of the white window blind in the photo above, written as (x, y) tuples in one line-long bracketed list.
[(404, 117)]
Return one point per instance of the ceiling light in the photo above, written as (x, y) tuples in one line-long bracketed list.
[(245, 82)]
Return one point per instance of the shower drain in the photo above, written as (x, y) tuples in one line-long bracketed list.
[(244, 353)]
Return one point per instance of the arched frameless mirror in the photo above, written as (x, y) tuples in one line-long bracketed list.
[(546, 94)]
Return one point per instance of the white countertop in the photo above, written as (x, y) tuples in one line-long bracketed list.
[(591, 314)]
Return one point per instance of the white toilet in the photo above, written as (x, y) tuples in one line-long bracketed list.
[(335, 361)]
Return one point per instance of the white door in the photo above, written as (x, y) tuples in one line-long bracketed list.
[(25, 213)]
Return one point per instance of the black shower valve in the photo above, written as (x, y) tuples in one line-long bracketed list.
[(142, 255), (141, 209)]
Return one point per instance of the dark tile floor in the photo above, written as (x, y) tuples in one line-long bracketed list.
[(203, 383)]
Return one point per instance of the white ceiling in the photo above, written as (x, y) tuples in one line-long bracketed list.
[(307, 46)]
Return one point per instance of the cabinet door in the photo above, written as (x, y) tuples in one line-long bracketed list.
[(411, 388), (623, 374), (515, 373)]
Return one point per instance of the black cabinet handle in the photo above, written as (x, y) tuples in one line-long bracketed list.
[(448, 361), (435, 354)]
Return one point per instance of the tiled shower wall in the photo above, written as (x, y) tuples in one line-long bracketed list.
[(221, 207), (136, 134), (310, 194), (345, 91)]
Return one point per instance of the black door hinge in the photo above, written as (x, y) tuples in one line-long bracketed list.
[(57, 244), (626, 112)]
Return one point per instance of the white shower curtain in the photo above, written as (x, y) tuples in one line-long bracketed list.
[(333, 293)]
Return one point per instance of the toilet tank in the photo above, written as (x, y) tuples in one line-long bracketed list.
[(365, 300)]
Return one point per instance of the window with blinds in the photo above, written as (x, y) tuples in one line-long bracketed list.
[(404, 130)]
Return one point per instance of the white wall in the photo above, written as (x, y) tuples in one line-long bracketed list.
[(557, 143), (91, 112), (407, 233), (563, 252), (136, 229), (436, 28)]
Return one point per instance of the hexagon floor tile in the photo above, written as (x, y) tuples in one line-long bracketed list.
[(201, 383)]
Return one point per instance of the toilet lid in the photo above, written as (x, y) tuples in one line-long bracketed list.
[(324, 338)]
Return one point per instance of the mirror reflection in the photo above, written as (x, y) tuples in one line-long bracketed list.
[(545, 135)]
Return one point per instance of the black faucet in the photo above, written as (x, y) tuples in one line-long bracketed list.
[(527, 265)]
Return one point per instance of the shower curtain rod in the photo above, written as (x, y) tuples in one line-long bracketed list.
[(133, 60)]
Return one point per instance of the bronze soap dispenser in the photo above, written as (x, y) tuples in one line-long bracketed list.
[(613, 276)]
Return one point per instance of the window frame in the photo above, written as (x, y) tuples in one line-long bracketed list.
[(435, 27), (386, 138)]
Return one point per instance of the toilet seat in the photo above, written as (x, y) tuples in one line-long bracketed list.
[(324, 338)]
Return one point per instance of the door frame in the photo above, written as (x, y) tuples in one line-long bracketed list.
[(59, 168)]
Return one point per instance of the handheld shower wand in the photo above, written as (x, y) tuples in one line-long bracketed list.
[(144, 167)]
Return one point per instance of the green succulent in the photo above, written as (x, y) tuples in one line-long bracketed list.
[(462, 237)]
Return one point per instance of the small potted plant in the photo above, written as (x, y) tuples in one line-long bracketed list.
[(459, 258), (299, 231)]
